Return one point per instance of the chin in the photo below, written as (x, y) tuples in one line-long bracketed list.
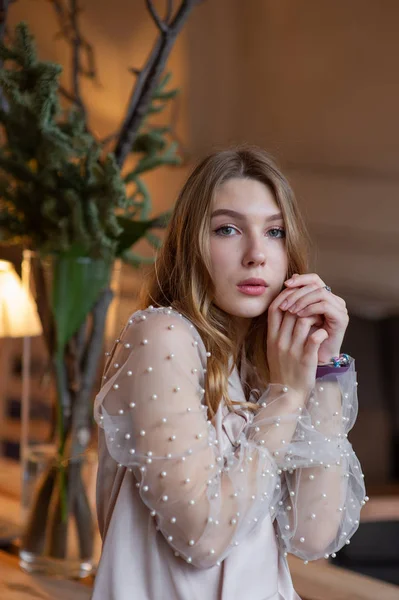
[(245, 310)]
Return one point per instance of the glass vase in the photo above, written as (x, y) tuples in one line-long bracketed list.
[(77, 300)]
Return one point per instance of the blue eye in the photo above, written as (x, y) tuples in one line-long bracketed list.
[(278, 231), (221, 229)]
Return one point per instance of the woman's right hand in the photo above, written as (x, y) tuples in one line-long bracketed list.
[(292, 348)]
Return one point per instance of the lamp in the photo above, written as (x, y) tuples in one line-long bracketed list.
[(18, 318), (18, 314)]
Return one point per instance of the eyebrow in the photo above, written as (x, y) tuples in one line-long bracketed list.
[(233, 213)]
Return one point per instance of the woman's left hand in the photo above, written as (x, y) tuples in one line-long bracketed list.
[(307, 296)]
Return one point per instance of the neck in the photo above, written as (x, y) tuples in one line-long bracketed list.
[(242, 326)]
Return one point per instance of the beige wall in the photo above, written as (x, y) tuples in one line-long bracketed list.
[(316, 82)]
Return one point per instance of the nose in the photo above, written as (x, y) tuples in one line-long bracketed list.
[(254, 255)]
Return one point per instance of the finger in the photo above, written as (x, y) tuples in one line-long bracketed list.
[(274, 319), (275, 315), (311, 297), (303, 327), (319, 322), (296, 294), (313, 344), (324, 308), (304, 279), (284, 339), (279, 299)]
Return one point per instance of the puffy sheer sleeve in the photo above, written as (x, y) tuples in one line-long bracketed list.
[(155, 424), (322, 485)]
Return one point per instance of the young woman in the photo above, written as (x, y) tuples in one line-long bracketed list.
[(226, 404)]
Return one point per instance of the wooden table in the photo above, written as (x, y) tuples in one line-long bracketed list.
[(17, 585), (319, 580)]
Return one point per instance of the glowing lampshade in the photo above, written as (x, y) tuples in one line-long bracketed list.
[(18, 314)]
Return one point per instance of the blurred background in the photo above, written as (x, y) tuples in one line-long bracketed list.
[(314, 82)]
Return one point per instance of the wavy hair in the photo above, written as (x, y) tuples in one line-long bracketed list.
[(181, 276)]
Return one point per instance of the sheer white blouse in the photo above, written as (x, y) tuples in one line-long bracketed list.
[(192, 509)]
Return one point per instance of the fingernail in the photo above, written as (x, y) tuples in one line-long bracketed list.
[(284, 304)]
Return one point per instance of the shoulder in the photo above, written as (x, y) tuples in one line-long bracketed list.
[(164, 325), (157, 319)]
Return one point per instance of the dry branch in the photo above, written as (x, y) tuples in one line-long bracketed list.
[(68, 18), (149, 76)]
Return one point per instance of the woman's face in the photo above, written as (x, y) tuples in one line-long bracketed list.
[(247, 242)]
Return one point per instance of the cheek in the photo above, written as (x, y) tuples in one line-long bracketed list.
[(278, 265), (279, 257), (220, 256)]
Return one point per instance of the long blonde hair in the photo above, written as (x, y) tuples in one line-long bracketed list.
[(181, 275)]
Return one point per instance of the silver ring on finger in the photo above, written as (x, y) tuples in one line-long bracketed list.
[(327, 287)]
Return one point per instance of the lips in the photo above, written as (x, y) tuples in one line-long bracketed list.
[(253, 281), (252, 286)]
